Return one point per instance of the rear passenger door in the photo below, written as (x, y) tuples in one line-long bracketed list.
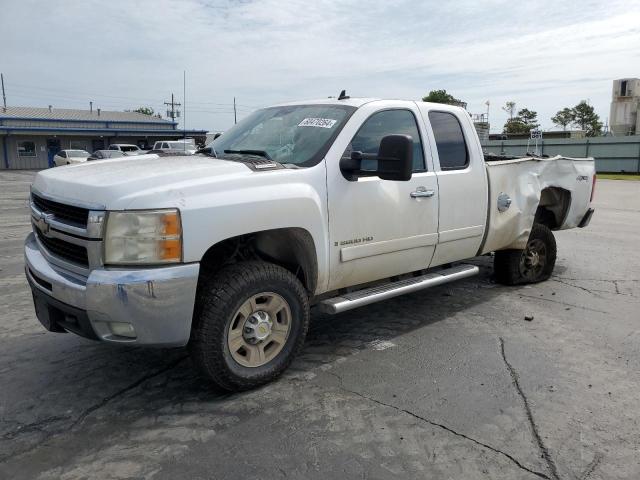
[(459, 165)]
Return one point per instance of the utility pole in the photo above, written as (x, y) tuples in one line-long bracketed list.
[(488, 103), (235, 118), (4, 97), (173, 113), (184, 100)]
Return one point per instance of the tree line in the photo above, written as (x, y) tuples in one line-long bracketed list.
[(582, 116)]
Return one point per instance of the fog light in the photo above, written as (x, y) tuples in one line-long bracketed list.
[(122, 329)]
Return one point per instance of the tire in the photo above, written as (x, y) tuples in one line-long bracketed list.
[(230, 305), (531, 265)]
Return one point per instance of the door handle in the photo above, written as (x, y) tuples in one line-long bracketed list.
[(422, 192)]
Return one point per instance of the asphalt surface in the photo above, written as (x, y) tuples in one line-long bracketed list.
[(449, 383)]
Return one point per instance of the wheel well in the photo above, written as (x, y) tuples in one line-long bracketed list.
[(291, 248), (553, 207)]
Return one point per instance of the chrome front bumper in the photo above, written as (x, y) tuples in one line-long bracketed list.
[(157, 302)]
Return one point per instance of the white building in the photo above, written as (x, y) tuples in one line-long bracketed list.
[(625, 99)]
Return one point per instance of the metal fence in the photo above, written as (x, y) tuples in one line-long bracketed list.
[(612, 154)]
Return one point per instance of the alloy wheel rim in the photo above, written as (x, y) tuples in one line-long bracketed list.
[(533, 259), (259, 329)]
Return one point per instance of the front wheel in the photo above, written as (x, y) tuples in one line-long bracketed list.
[(533, 264), (250, 321)]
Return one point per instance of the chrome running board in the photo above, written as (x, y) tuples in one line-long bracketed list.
[(359, 298)]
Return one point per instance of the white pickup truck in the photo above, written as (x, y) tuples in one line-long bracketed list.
[(336, 203)]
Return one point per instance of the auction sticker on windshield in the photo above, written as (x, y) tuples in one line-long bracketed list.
[(317, 122)]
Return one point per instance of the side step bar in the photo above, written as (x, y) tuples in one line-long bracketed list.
[(359, 298)]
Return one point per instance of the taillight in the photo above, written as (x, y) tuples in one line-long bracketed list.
[(593, 188)]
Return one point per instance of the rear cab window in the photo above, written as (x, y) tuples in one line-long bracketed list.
[(453, 152)]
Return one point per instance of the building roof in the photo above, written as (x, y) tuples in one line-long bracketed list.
[(78, 115)]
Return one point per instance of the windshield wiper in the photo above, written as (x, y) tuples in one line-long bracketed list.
[(260, 153), (207, 151)]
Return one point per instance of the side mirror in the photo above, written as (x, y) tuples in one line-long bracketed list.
[(394, 160)]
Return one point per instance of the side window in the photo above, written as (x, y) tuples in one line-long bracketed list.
[(165, 145), (381, 124), (63, 154), (452, 149)]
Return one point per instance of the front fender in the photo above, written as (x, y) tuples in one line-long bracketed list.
[(263, 201)]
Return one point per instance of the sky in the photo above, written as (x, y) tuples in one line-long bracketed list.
[(123, 54)]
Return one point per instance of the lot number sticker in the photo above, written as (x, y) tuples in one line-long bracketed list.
[(317, 122)]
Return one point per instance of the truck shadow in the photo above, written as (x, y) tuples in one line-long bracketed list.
[(100, 384)]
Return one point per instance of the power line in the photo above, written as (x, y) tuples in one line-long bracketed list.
[(75, 94)]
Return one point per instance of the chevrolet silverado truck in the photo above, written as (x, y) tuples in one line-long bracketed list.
[(334, 204)]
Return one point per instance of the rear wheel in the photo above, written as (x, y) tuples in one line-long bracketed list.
[(251, 320), (533, 264)]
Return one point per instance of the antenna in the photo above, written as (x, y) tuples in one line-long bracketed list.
[(343, 95), (184, 100)]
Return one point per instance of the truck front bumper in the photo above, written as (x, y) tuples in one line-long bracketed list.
[(151, 306)]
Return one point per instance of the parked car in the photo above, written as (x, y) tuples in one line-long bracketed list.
[(174, 146), (104, 154), (69, 157), (127, 148), (336, 203)]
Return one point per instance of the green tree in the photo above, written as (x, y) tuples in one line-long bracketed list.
[(529, 118), (524, 122), (515, 125), (563, 118), (144, 110), (441, 96), (587, 119)]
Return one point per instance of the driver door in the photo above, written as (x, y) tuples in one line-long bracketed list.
[(380, 228)]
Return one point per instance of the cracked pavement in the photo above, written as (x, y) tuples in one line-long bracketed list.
[(447, 383)]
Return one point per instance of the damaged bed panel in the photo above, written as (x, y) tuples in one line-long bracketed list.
[(558, 189)]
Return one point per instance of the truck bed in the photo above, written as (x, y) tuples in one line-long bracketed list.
[(561, 184)]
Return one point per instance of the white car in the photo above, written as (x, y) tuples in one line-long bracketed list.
[(337, 203), (69, 157), (175, 146), (127, 148)]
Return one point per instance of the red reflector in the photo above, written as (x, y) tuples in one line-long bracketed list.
[(593, 187)]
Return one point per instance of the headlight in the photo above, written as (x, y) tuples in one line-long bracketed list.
[(135, 237)]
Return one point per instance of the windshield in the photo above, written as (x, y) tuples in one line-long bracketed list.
[(77, 153), (180, 145), (298, 134)]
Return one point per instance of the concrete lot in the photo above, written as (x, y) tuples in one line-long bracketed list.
[(450, 383)]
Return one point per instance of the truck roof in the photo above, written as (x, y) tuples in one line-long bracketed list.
[(358, 102), (354, 102)]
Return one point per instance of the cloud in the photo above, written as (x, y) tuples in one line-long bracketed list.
[(543, 55)]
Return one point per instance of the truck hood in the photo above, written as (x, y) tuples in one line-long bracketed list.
[(116, 183)]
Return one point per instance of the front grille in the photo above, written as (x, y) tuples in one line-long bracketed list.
[(69, 251), (76, 215)]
